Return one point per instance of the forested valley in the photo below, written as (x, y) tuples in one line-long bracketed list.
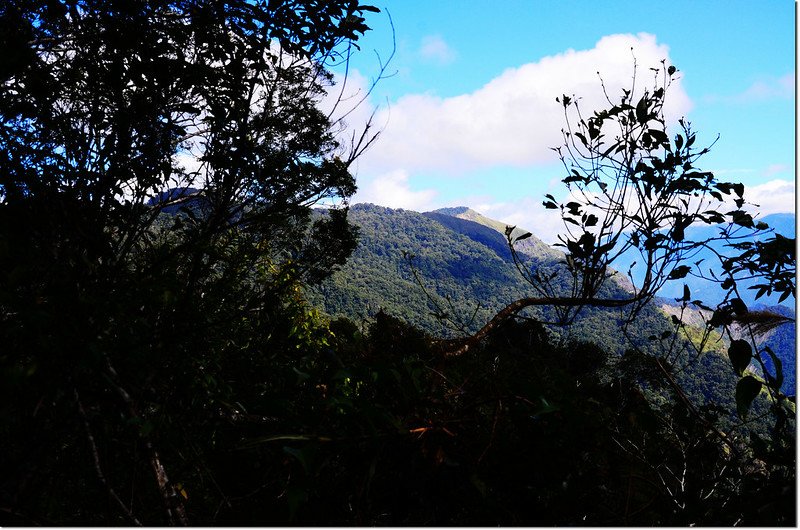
[(198, 329)]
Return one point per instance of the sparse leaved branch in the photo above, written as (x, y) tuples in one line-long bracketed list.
[(634, 188)]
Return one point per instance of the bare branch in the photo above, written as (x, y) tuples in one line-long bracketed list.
[(97, 466)]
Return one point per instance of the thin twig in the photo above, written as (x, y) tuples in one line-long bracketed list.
[(97, 466)]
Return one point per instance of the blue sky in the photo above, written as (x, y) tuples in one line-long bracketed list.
[(469, 113)]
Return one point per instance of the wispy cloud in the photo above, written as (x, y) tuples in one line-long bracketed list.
[(773, 169), (761, 90), (770, 170), (435, 49)]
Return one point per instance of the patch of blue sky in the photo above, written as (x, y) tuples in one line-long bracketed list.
[(470, 109)]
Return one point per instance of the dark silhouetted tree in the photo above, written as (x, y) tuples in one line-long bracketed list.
[(117, 318)]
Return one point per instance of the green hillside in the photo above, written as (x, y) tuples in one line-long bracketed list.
[(532, 246), (465, 267), (378, 276)]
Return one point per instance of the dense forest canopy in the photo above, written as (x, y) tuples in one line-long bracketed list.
[(161, 364)]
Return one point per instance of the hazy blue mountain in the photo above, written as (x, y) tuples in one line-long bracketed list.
[(709, 292), (783, 341)]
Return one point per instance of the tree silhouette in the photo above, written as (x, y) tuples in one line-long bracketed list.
[(113, 113)]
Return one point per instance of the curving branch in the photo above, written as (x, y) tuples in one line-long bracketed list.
[(515, 307)]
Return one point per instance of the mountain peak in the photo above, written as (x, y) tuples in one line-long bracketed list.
[(454, 211), (532, 246), (463, 212)]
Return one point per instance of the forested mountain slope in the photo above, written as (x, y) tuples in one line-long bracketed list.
[(377, 275), (461, 255), (463, 261), (458, 260), (491, 233)]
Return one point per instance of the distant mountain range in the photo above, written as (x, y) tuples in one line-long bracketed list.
[(708, 292), (464, 265), (462, 260)]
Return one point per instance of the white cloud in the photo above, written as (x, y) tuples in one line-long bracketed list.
[(348, 106), (772, 169), (435, 49), (514, 119), (526, 213), (393, 190), (782, 87), (766, 88), (775, 196)]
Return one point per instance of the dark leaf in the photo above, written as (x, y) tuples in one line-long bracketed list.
[(777, 381), (721, 317), (747, 389), (740, 217), (641, 110), (677, 233), (738, 306), (679, 272), (701, 305), (740, 353), (659, 136), (573, 178)]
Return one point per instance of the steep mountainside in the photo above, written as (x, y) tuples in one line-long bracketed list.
[(378, 276), (781, 339), (533, 246), (465, 266)]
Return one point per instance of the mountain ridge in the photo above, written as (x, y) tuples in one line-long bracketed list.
[(467, 268)]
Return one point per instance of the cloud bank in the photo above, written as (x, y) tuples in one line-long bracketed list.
[(761, 90), (514, 119), (775, 196), (393, 190)]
